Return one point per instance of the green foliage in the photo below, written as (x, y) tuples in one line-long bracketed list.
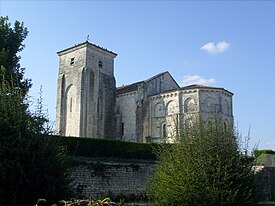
[(41, 202), (89, 147), (206, 167), (11, 42), (31, 165), (104, 201), (258, 153)]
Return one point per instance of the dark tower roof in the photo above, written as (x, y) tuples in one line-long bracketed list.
[(83, 44)]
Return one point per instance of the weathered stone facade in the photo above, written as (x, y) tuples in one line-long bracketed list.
[(95, 178), (129, 179), (153, 110), (86, 91), (266, 165)]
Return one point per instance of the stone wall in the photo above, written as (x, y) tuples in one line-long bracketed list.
[(160, 83), (269, 173), (128, 179), (169, 111), (86, 92), (126, 125), (116, 179), (216, 101), (71, 64)]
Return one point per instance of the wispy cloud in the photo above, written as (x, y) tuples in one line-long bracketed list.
[(216, 47), (269, 145), (196, 79)]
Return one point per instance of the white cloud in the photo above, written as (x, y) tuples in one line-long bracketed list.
[(196, 79), (216, 48), (269, 145)]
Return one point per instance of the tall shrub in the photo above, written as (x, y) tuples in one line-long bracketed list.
[(206, 167), (31, 164)]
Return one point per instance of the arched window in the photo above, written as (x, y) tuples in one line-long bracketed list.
[(71, 125), (171, 108), (188, 122), (209, 105), (225, 107), (159, 110), (190, 105)]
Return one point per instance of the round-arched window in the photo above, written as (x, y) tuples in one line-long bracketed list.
[(159, 110), (190, 105), (171, 108)]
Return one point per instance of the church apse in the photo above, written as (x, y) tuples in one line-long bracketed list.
[(153, 110)]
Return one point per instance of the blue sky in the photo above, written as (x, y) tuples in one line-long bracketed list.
[(229, 44)]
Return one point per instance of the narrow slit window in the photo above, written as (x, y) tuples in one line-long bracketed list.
[(72, 61), (122, 128), (164, 131), (71, 104), (100, 64)]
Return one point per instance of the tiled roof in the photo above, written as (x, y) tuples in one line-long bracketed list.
[(134, 86), (88, 43), (158, 75), (128, 88), (194, 86), (198, 86)]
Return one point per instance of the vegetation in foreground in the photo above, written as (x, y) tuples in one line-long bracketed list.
[(31, 165), (258, 153), (104, 148), (207, 167), (104, 201)]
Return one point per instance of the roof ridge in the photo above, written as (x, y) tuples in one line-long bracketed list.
[(146, 80), (204, 86), (127, 85), (88, 43), (157, 75)]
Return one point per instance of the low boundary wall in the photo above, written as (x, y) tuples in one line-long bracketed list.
[(116, 179), (127, 178)]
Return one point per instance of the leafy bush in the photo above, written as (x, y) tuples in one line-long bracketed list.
[(257, 153), (104, 201), (89, 147), (206, 167), (32, 165)]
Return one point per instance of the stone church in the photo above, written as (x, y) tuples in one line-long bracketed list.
[(90, 105)]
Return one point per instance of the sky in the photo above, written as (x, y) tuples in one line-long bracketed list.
[(229, 44)]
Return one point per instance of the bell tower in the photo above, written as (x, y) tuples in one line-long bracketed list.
[(85, 91)]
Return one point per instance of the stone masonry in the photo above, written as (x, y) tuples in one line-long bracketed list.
[(86, 91), (153, 110), (95, 178)]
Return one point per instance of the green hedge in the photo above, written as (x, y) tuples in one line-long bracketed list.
[(90, 147), (257, 153)]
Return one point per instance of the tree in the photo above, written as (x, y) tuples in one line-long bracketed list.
[(206, 167), (32, 164), (11, 42)]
